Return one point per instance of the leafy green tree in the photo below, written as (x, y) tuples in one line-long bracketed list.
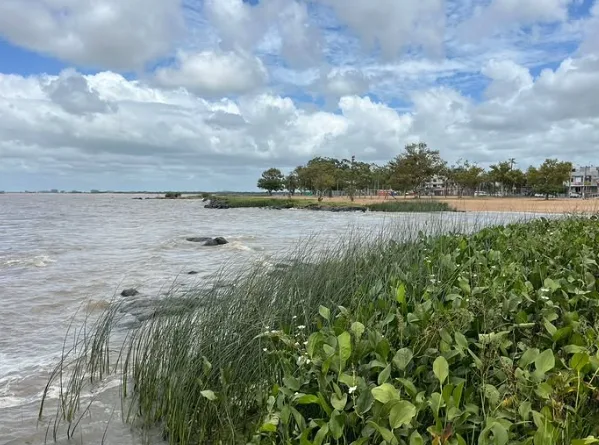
[(271, 180), (466, 176), (550, 177), (411, 169), (291, 183), (355, 176), (321, 175)]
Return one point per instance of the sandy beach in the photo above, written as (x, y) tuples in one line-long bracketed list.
[(496, 204)]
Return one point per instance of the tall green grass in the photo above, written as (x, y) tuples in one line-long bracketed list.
[(412, 205), (207, 369)]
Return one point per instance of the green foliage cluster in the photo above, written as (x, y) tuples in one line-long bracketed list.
[(172, 195), (412, 171), (410, 206), (490, 339)]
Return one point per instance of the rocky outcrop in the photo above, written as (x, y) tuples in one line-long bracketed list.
[(216, 204), (218, 241), (129, 292)]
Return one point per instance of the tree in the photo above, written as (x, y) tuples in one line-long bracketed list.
[(466, 176), (499, 173), (271, 180), (355, 176), (320, 174), (550, 177), (291, 183), (414, 167)]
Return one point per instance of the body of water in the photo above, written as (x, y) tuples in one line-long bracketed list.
[(63, 257)]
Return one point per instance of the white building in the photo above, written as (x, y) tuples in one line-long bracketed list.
[(584, 181)]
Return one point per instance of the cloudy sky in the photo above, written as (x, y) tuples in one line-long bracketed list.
[(205, 94)]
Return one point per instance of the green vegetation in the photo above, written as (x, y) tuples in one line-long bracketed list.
[(396, 205), (411, 205), (413, 171), (549, 178), (490, 338), (172, 195)]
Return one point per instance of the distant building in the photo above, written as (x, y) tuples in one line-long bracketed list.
[(584, 181)]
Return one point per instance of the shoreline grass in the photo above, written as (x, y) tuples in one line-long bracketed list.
[(488, 337), (412, 205)]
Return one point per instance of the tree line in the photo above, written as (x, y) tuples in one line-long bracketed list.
[(411, 171)]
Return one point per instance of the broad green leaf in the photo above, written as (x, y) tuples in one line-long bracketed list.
[(364, 402), (339, 402), (385, 393), (416, 439), (491, 393), (336, 424), (573, 349), (384, 432), (344, 341), (402, 358), (357, 329), (551, 285), (528, 357), (384, 375), (524, 410), (441, 369), (321, 435), (401, 294), (306, 399), (208, 394), (586, 441), (494, 434), (409, 387), (579, 361), (313, 341), (328, 350), (292, 383), (545, 361), (401, 414), (457, 394), (549, 327), (562, 333), (271, 423), (461, 340), (324, 312)]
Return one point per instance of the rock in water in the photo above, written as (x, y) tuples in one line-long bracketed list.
[(215, 204), (198, 239), (192, 272), (218, 241), (129, 293)]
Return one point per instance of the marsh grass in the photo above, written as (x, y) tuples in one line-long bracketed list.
[(398, 205), (203, 371)]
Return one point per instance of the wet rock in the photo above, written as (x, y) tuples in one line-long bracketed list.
[(216, 204), (192, 272), (198, 239), (129, 292), (218, 241)]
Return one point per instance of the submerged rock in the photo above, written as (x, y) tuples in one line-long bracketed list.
[(129, 292), (192, 272), (198, 239)]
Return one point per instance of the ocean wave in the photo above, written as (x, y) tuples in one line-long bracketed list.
[(34, 261)]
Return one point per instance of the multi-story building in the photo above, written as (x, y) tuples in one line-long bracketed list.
[(437, 186), (584, 181)]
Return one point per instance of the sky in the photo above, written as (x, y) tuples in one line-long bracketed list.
[(206, 94)]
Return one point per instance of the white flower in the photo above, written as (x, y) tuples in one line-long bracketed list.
[(305, 343), (265, 349), (301, 326), (273, 332), (267, 327), (352, 389), (294, 317), (308, 361), (544, 289), (296, 344)]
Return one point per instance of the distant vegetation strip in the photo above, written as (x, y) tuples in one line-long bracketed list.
[(396, 205)]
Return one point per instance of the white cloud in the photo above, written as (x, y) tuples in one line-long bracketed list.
[(394, 25), (501, 14), (214, 73), (112, 34)]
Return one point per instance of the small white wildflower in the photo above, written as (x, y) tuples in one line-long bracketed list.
[(273, 332), (265, 349), (352, 389), (301, 360), (305, 343), (544, 297), (301, 326), (544, 289), (295, 393), (267, 327), (308, 361), (296, 344)]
